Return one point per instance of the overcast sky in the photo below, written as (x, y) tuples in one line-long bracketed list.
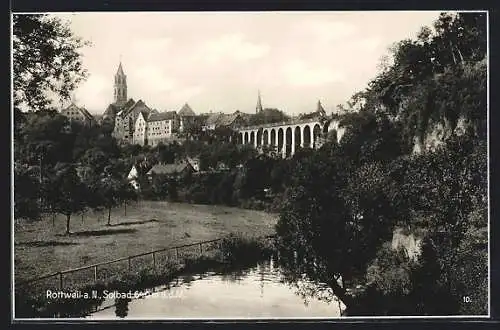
[(219, 60)]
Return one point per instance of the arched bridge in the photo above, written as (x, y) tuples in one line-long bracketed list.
[(286, 137)]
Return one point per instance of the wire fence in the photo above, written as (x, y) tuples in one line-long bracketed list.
[(108, 271)]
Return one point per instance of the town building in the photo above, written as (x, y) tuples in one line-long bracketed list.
[(173, 171), (186, 117), (135, 122), (125, 121), (195, 163), (161, 127), (233, 120), (78, 114)]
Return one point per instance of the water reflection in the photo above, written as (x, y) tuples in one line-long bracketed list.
[(258, 292)]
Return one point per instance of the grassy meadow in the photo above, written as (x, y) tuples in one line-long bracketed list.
[(41, 247)]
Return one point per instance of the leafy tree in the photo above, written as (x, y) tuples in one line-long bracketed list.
[(26, 194), (46, 57), (127, 194), (110, 189), (160, 186), (43, 134), (267, 116), (68, 194)]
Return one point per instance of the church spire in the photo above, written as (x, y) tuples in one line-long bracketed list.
[(120, 86), (258, 108), (120, 70), (320, 108)]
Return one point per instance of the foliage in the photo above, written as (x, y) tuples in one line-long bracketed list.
[(267, 116), (26, 194), (67, 194), (46, 57)]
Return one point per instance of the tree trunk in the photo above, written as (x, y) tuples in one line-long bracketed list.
[(460, 54), (82, 218), (125, 208), (68, 218), (452, 53), (341, 293), (109, 216)]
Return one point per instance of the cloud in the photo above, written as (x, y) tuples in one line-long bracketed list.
[(232, 46), (299, 73), (219, 60)]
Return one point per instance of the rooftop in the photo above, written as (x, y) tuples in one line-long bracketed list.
[(186, 111), (168, 168), (159, 116)]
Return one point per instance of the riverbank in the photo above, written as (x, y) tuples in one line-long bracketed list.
[(234, 251), (41, 247)]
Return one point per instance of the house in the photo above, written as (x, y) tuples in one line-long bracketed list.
[(233, 121), (161, 126), (186, 116), (132, 177), (78, 114), (195, 163), (140, 129), (136, 172), (211, 121), (175, 171), (125, 121)]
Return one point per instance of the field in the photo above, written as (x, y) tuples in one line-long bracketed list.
[(42, 247)]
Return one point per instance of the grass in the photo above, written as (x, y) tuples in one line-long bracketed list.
[(41, 248)]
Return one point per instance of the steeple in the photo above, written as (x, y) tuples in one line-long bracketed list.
[(258, 108), (120, 70), (120, 86), (320, 108)]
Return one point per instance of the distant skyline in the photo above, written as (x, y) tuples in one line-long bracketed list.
[(218, 61)]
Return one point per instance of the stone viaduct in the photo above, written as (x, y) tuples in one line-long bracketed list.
[(287, 137)]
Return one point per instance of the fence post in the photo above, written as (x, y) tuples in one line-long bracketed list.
[(60, 281), (129, 264), (201, 249), (95, 274), (154, 262), (177, 253)]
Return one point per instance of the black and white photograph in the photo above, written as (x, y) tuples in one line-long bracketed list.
[(250, 165)]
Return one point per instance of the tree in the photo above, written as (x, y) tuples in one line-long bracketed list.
[(109, 189), (127, 194), (43, 134), (268, 115), (46, 58), (160, 184), (26, 194), (68, 193)]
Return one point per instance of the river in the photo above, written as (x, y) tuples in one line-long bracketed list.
[(257, 292)]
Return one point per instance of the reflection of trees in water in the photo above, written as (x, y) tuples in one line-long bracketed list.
[(235, 275), (121, 307), (187, 279), (295, 277)]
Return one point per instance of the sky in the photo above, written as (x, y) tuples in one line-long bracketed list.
[(218, 61)]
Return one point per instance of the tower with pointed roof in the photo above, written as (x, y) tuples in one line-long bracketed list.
[(258, 108), (120, 86), (320, 109)]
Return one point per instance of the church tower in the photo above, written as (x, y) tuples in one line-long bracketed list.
[(320, 109), (120, 86), (258, 108)]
